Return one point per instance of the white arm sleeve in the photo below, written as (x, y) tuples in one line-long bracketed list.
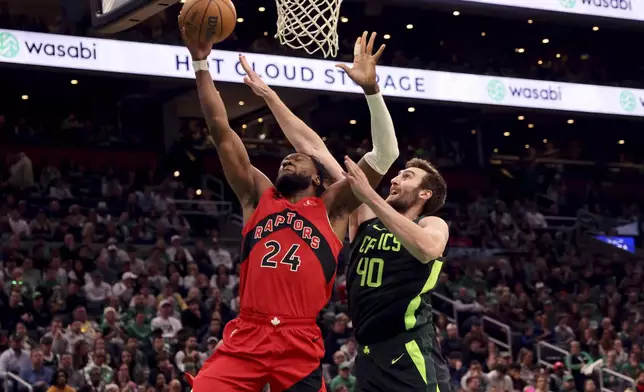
[(383, 136)]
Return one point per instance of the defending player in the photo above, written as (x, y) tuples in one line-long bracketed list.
[(291, 240), (396, 249), (395, 263)]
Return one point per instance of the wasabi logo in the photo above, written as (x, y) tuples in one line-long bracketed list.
[(497, 91), (568, 3), (627, 101), (624, 5), (9, 46)]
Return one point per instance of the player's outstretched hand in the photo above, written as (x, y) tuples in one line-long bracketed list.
[(363, 69), (253, 80), (198, 51), (358, 181)]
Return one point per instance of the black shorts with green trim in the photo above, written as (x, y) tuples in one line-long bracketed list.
[(411, 361)]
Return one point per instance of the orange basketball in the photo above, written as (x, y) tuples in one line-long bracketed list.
[(208, 21)]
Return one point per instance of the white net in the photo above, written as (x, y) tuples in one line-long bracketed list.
[(311, 25)]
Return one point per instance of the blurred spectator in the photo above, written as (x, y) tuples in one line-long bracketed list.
[(344, 378)]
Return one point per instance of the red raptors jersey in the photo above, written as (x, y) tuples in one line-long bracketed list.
[(289, 257)]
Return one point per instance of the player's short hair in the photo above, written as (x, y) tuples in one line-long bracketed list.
[(323, 173), (432, 181)]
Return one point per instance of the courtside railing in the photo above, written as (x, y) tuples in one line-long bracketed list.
[(609, 380), (10, 376), (497, 332), (612, 381), (549, 354), (204, 207)]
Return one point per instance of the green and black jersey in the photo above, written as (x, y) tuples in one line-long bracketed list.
[(388, 288)]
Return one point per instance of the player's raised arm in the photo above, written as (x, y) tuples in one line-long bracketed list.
[(247, 183), (300, 135), (426, 240), (375, 164)]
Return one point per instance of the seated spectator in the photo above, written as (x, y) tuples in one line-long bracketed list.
[(176, 248), (97, 291), (14, 359), (124, 290), (75, 378), (344, 378), (37, 375), (59, 190), (18, 225), (60, 383), (189, 351), (99, 363), (218, 255), (167, 323), (452, 343)]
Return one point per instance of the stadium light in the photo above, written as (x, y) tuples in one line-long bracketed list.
[(545, 41), (410, 26), (25, 97), (527, 146), (506, 133), (456, 13), (558, 55), (353, 122), (244, 126), (545, 140), (521, 118), (519, 50), (177, 173), (483, 34), (473, 131), (265, 33), (240, 20), (259, 120), (571, 121), (386, 36), (496, 150), (198, 192), (74, 82), (621, 141), (241, 103), (411, 109), (595, 28), (530, 126), (261, 9), (530, 21), (344, 19)]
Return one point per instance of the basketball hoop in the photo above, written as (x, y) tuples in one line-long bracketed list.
[(311, 25)]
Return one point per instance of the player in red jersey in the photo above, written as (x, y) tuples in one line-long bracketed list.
[(291, 240)]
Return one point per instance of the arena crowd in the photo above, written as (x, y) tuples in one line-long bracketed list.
[(113, 280)]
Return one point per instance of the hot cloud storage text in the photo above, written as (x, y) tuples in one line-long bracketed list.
[(303, 76)]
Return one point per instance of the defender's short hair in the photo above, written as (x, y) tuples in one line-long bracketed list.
[(432, 181)]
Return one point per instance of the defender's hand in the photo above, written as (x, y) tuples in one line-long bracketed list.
[(198, 51), (253, 80), (358, 181), (363, 69)]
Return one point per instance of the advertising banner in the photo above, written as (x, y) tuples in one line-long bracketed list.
[(618, 9), (102, 55)]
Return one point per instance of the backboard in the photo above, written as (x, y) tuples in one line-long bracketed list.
[(113, 16)]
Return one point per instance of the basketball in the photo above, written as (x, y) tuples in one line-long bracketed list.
[(208, 21)]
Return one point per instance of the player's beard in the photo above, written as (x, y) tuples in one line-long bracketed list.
[(289, 185), (402, 202)]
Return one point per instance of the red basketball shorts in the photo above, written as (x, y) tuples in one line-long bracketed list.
[(260, 350)]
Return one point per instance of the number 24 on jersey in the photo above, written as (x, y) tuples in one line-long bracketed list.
[(290, 258)]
